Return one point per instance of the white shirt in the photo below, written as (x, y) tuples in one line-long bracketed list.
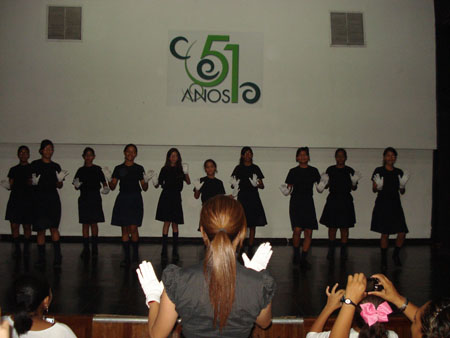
[(57, 330), (353, 334)]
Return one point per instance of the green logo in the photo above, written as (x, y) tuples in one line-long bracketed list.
[(207, 75)]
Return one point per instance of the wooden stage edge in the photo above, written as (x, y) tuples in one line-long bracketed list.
[(112, 326)]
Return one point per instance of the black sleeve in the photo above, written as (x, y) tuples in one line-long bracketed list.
[(140, 172), (11, 173), (376, 171), (235, 172), (258, 172), (290, 179), (170, 277), (221, 189), (101, 175), (57, 167), (316, 176), (115, 173), (351, 170), (77, 174), (162, 176), (400, 172), (329, 170)]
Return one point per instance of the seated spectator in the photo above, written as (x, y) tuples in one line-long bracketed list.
[(364, 327), (219, 297), (31, 299)]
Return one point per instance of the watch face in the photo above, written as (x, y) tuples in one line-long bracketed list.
[(347, 301)]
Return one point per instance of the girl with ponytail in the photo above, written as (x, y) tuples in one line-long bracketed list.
[(31, 299), (218, 297)]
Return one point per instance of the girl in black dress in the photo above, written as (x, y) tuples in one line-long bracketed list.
[(388, 217), (300, 181), (170, 210), (89, 179), (208, 186), (46, 178), (339, 211), (20, 203), (128, 210), (250, 180)]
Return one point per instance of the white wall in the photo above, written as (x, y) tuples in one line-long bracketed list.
[(274, 162), (111, 87)]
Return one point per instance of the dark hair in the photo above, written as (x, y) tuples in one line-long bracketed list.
[(435, 319), (243, 151), (377, 330), (390, 149), (210, 161), (178, 164), (342, 150), (22, 147), (45, 143), (299, 150), (130, 145), (86, 150), (29, 291), (223, 221)]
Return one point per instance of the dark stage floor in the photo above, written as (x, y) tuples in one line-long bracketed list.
[(105, 288)]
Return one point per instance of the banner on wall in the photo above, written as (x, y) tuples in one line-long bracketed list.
[(209, 68)]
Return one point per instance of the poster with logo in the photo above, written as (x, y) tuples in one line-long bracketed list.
[(215, 69)]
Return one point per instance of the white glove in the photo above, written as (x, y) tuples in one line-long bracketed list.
[(185, 168), (152, 288), (403, 180), (355, 178), (61, 175), (260, 259), (324, 178), (254, 180), (76, 182), (198, 185), (105, 190), (285, 189), (148, 176), (379, 181), (35, 179), (107, 173), (235, 185), (155, 180), (5, 184)]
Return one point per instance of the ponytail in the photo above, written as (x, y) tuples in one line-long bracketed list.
[(28, 294), (223, 225), (220, 269)]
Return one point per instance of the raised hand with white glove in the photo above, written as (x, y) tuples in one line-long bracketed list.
[(285, 190), (35, 179), (324, 178), (254, 180), (403, 179), (147, 176), (77, 183), (5, 184), (379, 181), (155, 180), (152, 288), (105, 190), (260, 259), (185, 168), (107, 173), (355, 178), (61, 175), (198, 185), (235, 185)]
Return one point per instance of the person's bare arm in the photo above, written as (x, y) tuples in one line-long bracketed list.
[(264, 318)]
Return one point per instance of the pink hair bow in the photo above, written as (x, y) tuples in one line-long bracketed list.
[(372, 315)]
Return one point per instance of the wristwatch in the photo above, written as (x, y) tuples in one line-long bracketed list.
[(347, 301)]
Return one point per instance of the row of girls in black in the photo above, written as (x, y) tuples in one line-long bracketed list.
[(34, 199)]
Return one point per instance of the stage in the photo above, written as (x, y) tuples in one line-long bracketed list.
[(103, 287)]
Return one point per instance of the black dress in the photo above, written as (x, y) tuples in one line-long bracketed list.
[(128, 207), (339, 211), (188, 290), (20, 204), (302, 211), (249, 195), (210, 188), (169, 205), (47, 205), (387, 215), (90, 209)]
